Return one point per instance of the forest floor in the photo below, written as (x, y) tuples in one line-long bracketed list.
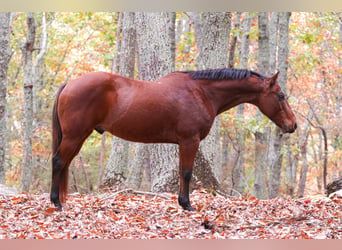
[(137, 215)]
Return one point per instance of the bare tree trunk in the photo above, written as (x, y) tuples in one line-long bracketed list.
[(325, 139), (116, 170), (38, 65), (291, 172), (88, 186), (102, 159), (155, 59), (141, 161), (278, 138), (302, 143), (238, 171), (234, 40), (262, 137), (338, 139), (212, 34), (5, 55), (27, 49)]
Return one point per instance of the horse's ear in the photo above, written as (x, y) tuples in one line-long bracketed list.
[(274, 79)]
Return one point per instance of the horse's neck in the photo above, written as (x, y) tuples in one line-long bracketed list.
[(227, 94)]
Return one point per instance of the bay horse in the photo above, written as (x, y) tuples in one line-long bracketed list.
[(178, 108)]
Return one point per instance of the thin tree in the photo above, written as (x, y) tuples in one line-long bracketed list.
[(261, 137), (278, 138), (5, 55), (238, 171), (27, 49)]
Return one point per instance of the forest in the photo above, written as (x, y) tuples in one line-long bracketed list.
[(245, 156)]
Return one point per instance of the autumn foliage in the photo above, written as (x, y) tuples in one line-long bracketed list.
[(131, 216)]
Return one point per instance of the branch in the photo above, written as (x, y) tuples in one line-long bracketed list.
[(130, 190), (42, 48)]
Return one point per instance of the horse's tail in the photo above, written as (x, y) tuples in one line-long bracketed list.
[(56, 126), (57, 136)]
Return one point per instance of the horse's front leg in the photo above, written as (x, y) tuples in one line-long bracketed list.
[(187, 154)]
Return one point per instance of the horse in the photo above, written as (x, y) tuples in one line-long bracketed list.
[(178, 108)]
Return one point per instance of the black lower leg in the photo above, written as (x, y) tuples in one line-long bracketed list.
[(56, 171), (54, 197), (183, 198)]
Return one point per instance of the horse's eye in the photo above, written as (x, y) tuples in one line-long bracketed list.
[(281, 96)]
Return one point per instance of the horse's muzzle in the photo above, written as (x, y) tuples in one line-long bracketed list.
[(290, 129)]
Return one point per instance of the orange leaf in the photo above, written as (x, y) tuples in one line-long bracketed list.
[(21, 236), (50, 210), (262, 222), (113, 215), (39, 237)]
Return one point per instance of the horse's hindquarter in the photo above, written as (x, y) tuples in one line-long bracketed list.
[(156, 112)]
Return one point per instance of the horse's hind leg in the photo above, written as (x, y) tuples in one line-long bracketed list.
[(56, 172), (68, 149), (187, 153)]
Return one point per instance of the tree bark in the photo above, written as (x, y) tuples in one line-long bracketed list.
[(155, 59), (261, 137), (5, 55), (238, 171), (234, 40), (212, 34), (27, 49), (278, 138), (116, 170), (302, 144)]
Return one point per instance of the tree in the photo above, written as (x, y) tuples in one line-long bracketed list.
[(155, 59), (27, 49), (116, 170), (32, 72), (238, 171), (261, 136), (278, 138), (5, 55), (212, 35)]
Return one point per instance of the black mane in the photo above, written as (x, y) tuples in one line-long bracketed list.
[(223, 74)]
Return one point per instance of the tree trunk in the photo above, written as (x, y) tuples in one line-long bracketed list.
[(140, 163), (338, 140), (291, 171), (212, 34), (38, 66), (302, 143), (234, 40), (262, 137), (304, 170), (278, 138), (5, 55), (155, 59), (116, 170), (238, 171), (27, 49)]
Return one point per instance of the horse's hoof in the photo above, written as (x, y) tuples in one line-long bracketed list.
[(189, 208)]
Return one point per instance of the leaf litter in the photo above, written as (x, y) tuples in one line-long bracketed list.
[(128, 215)]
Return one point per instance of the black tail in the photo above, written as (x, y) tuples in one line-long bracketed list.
[(56, 126), (59, 177)]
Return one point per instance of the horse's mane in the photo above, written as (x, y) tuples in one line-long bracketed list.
[(222, 74)]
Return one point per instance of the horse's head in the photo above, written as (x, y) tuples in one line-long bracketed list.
[(273, 103)]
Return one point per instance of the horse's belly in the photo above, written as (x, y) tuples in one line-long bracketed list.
[(146, 129)]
